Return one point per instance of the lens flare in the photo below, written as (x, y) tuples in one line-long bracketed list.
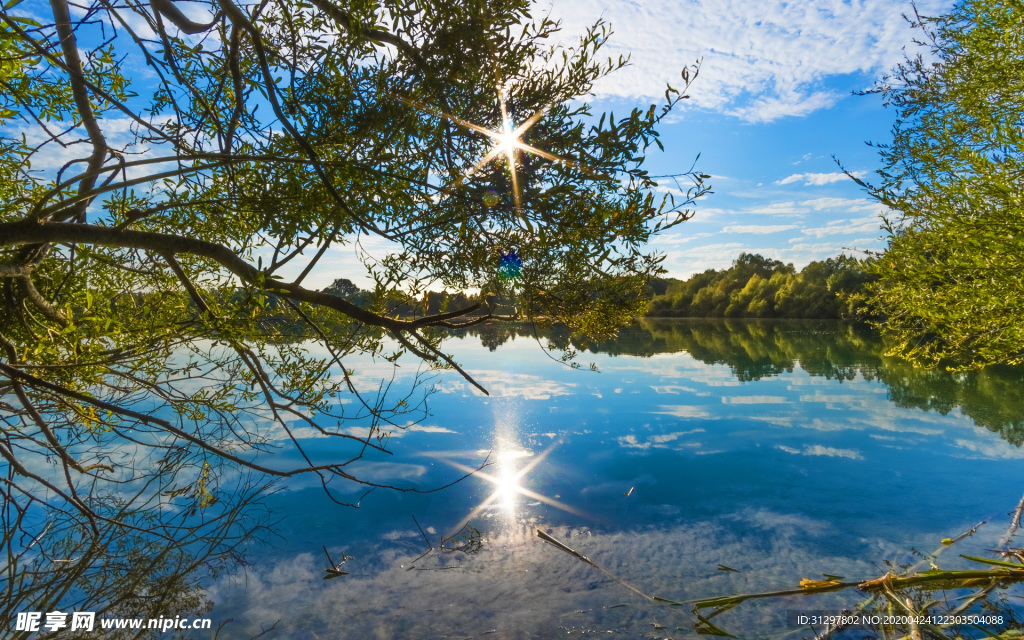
[(510, 267)]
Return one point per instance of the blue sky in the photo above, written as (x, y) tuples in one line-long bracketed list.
[(772, 105)]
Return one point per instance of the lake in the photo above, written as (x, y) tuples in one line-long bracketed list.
[(702, 458)]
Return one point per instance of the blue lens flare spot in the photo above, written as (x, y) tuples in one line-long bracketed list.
[(511, 265)]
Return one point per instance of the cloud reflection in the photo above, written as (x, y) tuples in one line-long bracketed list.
[(819, 450), (519, 587)]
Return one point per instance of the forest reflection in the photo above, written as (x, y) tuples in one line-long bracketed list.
[(756, 349)]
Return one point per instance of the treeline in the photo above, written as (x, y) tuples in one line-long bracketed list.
[(431, 303), (759, 287), (753, 287)]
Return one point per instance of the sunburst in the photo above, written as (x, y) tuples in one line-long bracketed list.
[(507, 142), (507, 484)]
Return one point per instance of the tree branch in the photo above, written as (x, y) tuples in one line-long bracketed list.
[(69, 45), (23, 232), (371, 33), (167, 10)]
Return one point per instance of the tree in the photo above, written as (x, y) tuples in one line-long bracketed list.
[(759, 287), (950, 284), (154, 324), (343, 288)]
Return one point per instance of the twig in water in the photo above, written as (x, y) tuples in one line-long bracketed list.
[(468, 541), (547, 538), (579, 556), (335, 569), (430, 546), (1014, 524)]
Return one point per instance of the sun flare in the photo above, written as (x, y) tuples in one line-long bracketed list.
[(507, 481), (507, 142)]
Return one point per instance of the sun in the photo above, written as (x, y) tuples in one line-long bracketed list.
[(506, 480), (507, 142)]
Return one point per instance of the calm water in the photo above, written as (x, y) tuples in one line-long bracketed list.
[(783, 451)]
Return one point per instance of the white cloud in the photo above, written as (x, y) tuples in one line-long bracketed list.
[(49, 157), (761, 60), (391, 432), (657, 441), (819, 179), (506, 384), (819, 450), (840, 399), (682, 411), (670, 190), (759, 229), (682, 264), (845, 227), (990, 448), (430, 429), (520, 583), (849, 204), (678, 238), (722, 251), (780, 209), (387, 471), (672, 389), (790, 103)]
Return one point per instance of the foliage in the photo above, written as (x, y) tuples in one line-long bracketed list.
[(144, 562), (156, 231), (759, 287), (950, 282)]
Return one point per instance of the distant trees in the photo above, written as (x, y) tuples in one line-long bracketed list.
[(343, 288), (759, 287), (753, 287)]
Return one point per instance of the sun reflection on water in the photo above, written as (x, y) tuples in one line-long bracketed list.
[(507, 473), (507, 478)]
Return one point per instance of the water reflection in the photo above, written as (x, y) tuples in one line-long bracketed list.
[(510, 462), (523, 588), (756, 350), (784, 451), (507, 481), (507, 476)]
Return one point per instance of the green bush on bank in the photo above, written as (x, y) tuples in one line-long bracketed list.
[(759, 287)]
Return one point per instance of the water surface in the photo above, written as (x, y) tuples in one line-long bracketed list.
[(781, 450)]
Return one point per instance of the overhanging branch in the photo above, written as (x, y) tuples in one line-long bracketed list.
[(29, 232)]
